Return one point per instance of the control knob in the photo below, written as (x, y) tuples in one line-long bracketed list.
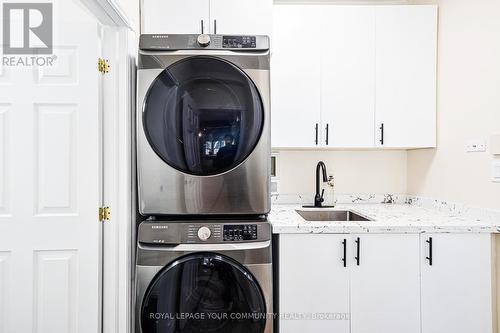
[(204, 233), (204, 40)]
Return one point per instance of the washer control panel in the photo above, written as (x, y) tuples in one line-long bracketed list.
[(204, 233), (208, 231), (240, 232)]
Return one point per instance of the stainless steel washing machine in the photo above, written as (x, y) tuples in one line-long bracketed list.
[(203, 125), (212, 276)]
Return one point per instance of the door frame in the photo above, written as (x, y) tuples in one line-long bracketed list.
[(117, 99), (108, 13)]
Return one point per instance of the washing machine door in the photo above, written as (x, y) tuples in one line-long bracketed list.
[(203, 115), (203, 293)]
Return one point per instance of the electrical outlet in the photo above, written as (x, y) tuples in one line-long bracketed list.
[(475, 146)]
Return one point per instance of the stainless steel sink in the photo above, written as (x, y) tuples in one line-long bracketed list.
[(331, 215)]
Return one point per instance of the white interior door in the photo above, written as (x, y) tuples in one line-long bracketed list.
[(175, 16), (241, 17), (49, 185), (385, 286), (313, 281), (295, 77), (456, 288), (348, 76), (406, 75)]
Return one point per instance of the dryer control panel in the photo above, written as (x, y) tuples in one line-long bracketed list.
[(239, 42), (164, 42)]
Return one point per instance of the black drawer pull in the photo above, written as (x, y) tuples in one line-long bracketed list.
[(316, 134), (382, 134), (429, 241), (326, 141), (358, 245), (344, 243)]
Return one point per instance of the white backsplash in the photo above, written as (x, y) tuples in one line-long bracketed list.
[(308, 198)]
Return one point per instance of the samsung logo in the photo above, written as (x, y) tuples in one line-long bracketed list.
[(159, 227), (159, 36)]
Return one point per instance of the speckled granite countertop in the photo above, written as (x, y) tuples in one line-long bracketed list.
[(409, 217)]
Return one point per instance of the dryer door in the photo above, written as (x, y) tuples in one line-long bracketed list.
[(203, 115), (203, 292)]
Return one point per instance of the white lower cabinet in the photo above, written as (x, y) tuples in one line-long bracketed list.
[(380, 295), (312, 281), (456, 288), (387, 284)]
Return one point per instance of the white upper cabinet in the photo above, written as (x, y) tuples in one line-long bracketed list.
[(295, 77), (376, 68), (241, 17), (347, 76), (406, 76), (235, 17), (456, 286), (175, 16)]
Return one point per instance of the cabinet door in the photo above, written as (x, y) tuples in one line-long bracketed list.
[(348, 76), (456, 288), (385, 286), (295, 77), (312, 281), (406, 76), (175, 16), (241, 17)]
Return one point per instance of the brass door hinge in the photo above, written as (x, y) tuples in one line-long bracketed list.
[(104, 213), (103, 65)]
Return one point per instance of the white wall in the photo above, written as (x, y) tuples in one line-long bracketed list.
[(354, 171), (468, 105)]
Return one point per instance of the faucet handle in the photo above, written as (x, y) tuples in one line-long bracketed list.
[(322, 194)]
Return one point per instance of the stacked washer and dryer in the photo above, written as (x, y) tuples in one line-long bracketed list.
[(204, 259)]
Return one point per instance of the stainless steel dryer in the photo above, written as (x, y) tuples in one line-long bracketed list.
[(203, 125), (212, 276)]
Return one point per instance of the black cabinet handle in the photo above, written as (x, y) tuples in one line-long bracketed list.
[(382, 134), (202, 27), (344, 243), (429, 241), (316, 134), (326, 141), (215, 27), (358, 245)]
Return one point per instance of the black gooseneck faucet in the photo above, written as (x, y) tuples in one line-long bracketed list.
[(318, 198)]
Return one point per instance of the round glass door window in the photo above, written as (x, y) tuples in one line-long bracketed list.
[(203, 115), (203, 293)]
